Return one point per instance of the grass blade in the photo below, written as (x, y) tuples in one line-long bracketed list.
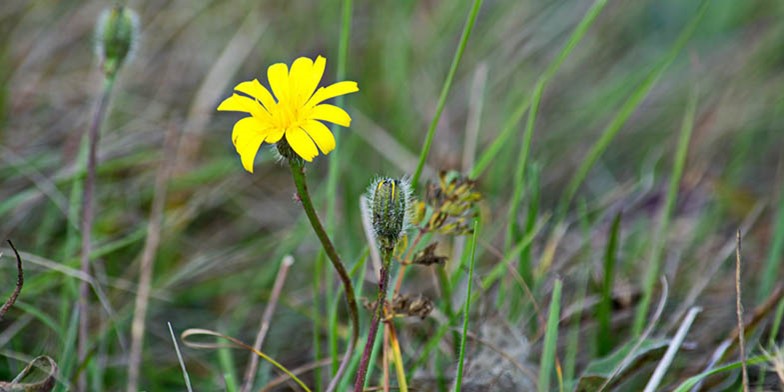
[(179, 358), (771, 269), (510, 125), (466, 308), (550, 339), (631, 104), (604, 338), (669, 206), (469, 25), (658, 374)]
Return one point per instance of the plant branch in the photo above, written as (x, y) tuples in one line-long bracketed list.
[(298, 173)]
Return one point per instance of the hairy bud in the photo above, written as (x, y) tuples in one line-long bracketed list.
[(388, 202), (116, 34)]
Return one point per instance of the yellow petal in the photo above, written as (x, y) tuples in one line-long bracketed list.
[(331, 113), (317, 73), (299, 77), (256, 90), (321, 135), (247, 137), (308, 82), (238, 103), (331, 91), (278, 76), (274, 136), (301, 143)]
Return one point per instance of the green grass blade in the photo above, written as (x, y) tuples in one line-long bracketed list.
[(333, 175), (664, 223), (67, 360), (466, 313), (777, 317), (770, 276), (469, 25), (227, 368), (691, 382), (550, 339), (577, 35), (626, 110), (604, 337)]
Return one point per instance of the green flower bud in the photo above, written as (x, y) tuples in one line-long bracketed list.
[(388, 204), (116, 34)]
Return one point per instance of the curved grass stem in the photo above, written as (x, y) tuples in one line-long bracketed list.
[(298, 173)]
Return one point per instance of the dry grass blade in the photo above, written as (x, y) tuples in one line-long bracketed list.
[(19, 283), (214, 84), (386, 145), (146, 264), (179, 358), (707, 276), (45, 384), (665, 362), (726, 346), (266, 318), (739, 310), (235, 343), (645, 334), (296, 371)]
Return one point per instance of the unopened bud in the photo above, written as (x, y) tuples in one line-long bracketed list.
[(116, 34), (388, 204)]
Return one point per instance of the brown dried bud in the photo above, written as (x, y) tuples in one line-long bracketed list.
[(428, 256)]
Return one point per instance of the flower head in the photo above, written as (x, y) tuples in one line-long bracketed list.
[(295, 111)]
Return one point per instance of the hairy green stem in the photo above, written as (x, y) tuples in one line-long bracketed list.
[(298, 173), (88, 213), (378, 312)]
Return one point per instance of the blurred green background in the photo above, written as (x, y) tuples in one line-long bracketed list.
[(226, 230)]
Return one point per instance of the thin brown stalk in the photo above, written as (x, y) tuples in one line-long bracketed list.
[(727, 347), (266, 318), (739, 312), (148, 259), (93, 137), (378, 311), (19, 283)]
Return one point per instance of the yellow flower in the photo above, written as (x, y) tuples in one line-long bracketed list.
[(296, 110)]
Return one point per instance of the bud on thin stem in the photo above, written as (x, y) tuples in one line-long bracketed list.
[(388, 203), (116, 33)]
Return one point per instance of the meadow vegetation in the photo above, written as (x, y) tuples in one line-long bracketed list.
[(558, 196)]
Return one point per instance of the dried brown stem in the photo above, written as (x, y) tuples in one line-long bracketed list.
[(147, 261), (266, 318), (19, 283), (739, 310)]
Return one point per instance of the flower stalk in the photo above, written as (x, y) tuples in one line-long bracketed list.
[(88, 214), (378, 312), (116, 33), (297, 166)]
